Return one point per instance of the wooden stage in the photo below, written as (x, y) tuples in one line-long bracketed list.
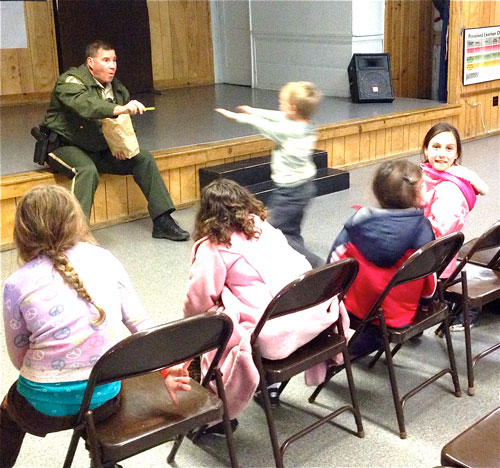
[(184, 134)]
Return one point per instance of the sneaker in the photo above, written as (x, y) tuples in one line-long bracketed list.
[(165, 227), (218, 429), (274, 397), (459, 327)]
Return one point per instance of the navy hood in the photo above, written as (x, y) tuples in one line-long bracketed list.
[(383, 236)]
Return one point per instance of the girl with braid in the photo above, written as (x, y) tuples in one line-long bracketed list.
[(63, 309)]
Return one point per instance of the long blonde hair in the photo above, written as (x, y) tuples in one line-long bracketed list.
[(49, 221)]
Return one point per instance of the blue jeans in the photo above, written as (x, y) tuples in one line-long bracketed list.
[(287, 206)]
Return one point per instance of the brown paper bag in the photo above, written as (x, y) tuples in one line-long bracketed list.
[(120, 135)]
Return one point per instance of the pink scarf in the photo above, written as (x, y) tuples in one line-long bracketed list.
[(464, 185)]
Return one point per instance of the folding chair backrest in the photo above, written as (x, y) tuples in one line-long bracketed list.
[(310, 289), (159, 347), (433, 257), (488, 240)]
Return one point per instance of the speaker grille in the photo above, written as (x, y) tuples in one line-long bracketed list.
[(373, 84)]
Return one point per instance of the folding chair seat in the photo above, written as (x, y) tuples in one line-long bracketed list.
[(477, 447), (147, 417), (430, 259), (472, 285), (312, 288)]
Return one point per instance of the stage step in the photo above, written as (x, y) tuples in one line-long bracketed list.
[(255, 174), (327, 180), (250, 171)]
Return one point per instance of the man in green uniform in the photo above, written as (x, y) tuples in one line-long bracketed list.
[(83, 95)]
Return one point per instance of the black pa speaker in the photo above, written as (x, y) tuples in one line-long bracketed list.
[(370, 78)]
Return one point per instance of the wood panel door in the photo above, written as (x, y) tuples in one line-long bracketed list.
[(123, 23)]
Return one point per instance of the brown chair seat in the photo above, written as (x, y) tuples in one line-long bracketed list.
[(476, 447), (324, 347), (481, 258), (153, 419)]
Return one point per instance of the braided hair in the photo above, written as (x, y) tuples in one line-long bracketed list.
[(49, 221)]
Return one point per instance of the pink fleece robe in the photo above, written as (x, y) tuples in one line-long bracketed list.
[(240, 280)]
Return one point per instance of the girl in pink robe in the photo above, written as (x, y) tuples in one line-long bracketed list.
[(239, 263)]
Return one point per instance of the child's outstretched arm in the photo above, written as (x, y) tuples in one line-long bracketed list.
[(227, 113)]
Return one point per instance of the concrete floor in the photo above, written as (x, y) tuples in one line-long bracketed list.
[(159, 270)]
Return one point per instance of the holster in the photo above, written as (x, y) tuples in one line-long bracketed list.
[(46, 142)]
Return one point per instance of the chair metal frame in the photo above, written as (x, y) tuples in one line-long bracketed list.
[(430, 259), (312, 288), (139, 356), (460, 285)]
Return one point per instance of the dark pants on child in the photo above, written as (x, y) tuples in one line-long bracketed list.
[(368, 341), (287, 205), (18, 417)]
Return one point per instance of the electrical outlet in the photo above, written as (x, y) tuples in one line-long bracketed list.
[(495, 101)]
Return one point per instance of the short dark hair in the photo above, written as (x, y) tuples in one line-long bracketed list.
[(225, 208), (93, 48), (396, 184), (442, 127)]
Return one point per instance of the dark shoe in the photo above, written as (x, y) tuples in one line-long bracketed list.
[(165, 227), (218, 429), (274, 398)]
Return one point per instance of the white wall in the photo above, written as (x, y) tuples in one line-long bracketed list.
[(299, 40)]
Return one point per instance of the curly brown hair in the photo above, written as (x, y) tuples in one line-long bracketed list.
[(49, 221), (225, 208)]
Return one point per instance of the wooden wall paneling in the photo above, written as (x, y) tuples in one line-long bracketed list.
[(10, 73), (373, 144), (397, 144), (197, 179), (424, 51), (155, 31), (42, 41), (116, 197), (338, 151), (175, 186), (188, 184), (380, 143), (364, 147), (204, 64), (396, 45), (178, 25), (414, 136), (415, 54), (406, 138), (405, 49), (166, 41), (137, 202), (352, 149), (100, 209), (388, 141), (8, 216)]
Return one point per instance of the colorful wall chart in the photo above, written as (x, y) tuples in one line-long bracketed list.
[(481, 55)]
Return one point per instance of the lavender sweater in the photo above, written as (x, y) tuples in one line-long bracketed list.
[(50, 337)]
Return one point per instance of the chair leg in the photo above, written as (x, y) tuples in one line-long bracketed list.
[(95, 456), (468, 351), (451, 356), (376, 358), (282, 387), (394, 386), (70, 455), (175, 448), (227, 424), (268, 410), (352, 391)]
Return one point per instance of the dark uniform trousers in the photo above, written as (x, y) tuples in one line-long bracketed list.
[(142, 167)]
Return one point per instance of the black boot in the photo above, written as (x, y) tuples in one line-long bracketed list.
[(165, 227)]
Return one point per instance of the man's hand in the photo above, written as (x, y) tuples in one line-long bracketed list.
[(132, 107), (226, 113), (177, 380), (120, 156)]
